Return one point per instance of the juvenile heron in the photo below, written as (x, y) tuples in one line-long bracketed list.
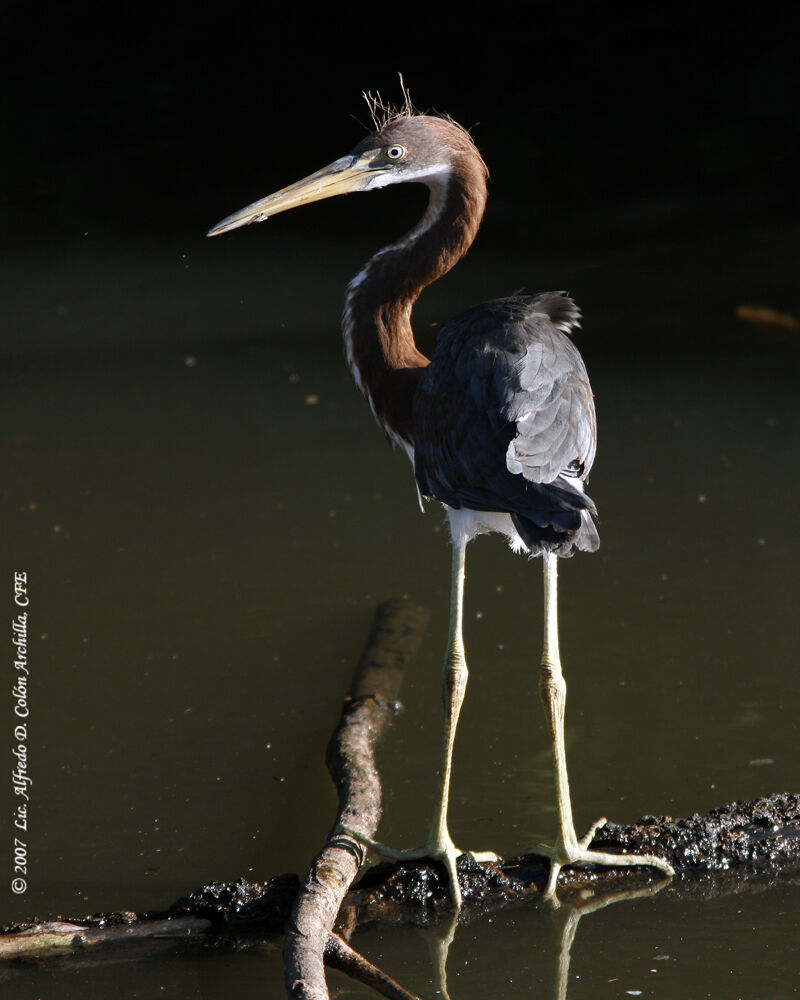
[(499, 425)]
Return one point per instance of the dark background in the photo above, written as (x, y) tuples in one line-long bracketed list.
[(159, 121)]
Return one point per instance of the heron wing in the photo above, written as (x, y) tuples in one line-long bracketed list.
[(504, 416)]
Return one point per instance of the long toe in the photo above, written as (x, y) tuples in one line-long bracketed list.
[(571, 851), (438, 850)]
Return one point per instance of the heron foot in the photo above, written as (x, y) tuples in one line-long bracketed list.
[(439, 848), (569, 850)]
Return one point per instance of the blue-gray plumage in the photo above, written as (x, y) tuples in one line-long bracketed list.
[(500, 425), (505, 422)]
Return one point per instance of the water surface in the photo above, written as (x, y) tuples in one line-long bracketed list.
[(208, 517)]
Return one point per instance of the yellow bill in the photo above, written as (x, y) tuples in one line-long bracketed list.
[(356, 172)]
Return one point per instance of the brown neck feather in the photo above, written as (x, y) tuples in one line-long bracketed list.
[(379, 341)]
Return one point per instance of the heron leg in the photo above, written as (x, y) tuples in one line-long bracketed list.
[(454, 685), (568, 848)]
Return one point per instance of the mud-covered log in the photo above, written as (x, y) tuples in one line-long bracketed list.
[(743, 839)]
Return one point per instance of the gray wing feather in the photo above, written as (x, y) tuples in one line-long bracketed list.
[(504, 415)]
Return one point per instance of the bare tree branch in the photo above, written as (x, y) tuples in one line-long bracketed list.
[(369, 707)]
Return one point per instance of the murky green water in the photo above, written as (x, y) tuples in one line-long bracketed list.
[(207, 518)]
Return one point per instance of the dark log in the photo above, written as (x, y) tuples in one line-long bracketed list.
[(729, 845)]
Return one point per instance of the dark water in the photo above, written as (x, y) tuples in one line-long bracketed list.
[(207, 518)]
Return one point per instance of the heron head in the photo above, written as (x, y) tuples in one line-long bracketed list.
[(405, 149)]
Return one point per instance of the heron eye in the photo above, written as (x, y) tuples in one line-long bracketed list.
[(395, 152)]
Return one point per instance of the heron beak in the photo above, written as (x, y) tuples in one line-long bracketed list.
[(349, 173)]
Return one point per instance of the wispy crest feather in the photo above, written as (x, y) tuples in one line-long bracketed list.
[(383, 114)]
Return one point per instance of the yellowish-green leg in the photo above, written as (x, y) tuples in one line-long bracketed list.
[(454, 685), (568, 849)]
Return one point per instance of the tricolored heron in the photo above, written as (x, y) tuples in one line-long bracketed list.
[(499, 425)]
